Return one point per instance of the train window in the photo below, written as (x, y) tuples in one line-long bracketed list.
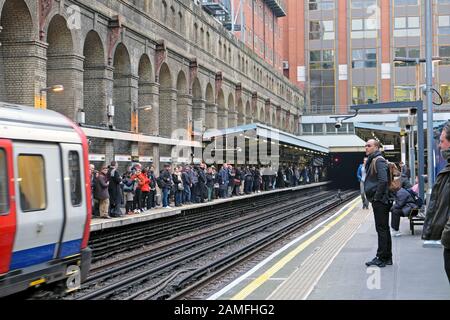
[(75, 178), (33, 195), (4, 206)]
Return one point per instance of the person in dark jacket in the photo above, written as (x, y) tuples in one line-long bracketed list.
[(167, 183), (403, 205), (115, 190), (446, 243), (102, 194), (438, 207), (377, 192)]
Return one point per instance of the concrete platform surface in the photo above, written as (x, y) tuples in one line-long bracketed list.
[(328, 263)]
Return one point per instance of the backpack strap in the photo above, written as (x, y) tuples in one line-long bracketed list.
[(373, 165)]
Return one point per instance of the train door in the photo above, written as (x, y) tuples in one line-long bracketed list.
[(74, 198), (40, 210), (7, 206)]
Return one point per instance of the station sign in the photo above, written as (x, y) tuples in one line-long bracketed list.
[(197, 161), (389, 147), (145, 159), (97, 157), (183, 160), (165, 159), (122, 158)]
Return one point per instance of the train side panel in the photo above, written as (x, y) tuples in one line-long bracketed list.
[(7, 205)]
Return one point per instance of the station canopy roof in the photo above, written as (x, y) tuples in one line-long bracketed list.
[(338, 143), (257, 129)]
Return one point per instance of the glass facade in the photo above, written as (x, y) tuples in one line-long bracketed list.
[(322, 77), (364, 94), (364, 58)]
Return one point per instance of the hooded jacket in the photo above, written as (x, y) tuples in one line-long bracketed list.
[(376, 184), (438, 209)]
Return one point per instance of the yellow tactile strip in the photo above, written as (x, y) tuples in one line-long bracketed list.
[(302, 282)]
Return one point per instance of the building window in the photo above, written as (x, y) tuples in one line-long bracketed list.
[(362, 4), (364, 28), (364, 94), (4, 182), (444, 52), (322, 78), (318, 128), (445, 92), (307, 128), (444, 25), (331, 129), (405, 93), (321, 30), (405, 2), (406, 52), (407, 27), (32, 186), (321, 5), (364, 58)]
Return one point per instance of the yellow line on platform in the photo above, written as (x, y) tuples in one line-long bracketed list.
[(255, 284)]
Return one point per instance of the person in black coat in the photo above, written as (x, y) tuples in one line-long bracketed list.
[(115, 190), (377, 192)]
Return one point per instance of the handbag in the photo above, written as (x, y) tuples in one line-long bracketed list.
[(180, 187), (237, 182), (216, 186)]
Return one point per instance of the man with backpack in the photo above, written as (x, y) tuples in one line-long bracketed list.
[(377, 192)]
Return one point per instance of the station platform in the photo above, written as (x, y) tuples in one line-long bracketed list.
[(98, 224), (328, 263)]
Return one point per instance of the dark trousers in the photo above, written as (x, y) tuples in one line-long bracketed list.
[(151, 203), (144, 199), (395, 219), (381, 212), (447, 262), (137, 199)]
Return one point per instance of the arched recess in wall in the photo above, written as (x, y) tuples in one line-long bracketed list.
[(94, 82), (211, 108), (241, 113), (184, 103), (167, 99), (17, 71), (198, 105), (61, 65), (222, 117), (248, 112), (267, 117), (147, 113), (232, 116), (122, 88)]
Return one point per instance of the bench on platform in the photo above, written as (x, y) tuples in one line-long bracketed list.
[(415, 219)]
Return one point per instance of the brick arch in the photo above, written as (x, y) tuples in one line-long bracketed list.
[(209, 96), (222, 116), (232, 116), (17, 55), (94, 84), (197, 91), (122, 88), (167, 101), (146, 121), (184, 103), (211, 118), (61, 60), (241, 112)]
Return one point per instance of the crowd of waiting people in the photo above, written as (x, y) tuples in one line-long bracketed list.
[(136, 190)]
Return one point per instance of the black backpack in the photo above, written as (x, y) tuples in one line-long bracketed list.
[(160, 182)]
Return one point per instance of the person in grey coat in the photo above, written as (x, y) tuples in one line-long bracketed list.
[(403, 205)]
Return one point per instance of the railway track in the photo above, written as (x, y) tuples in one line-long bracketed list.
[(108, 243), (153, 276)]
